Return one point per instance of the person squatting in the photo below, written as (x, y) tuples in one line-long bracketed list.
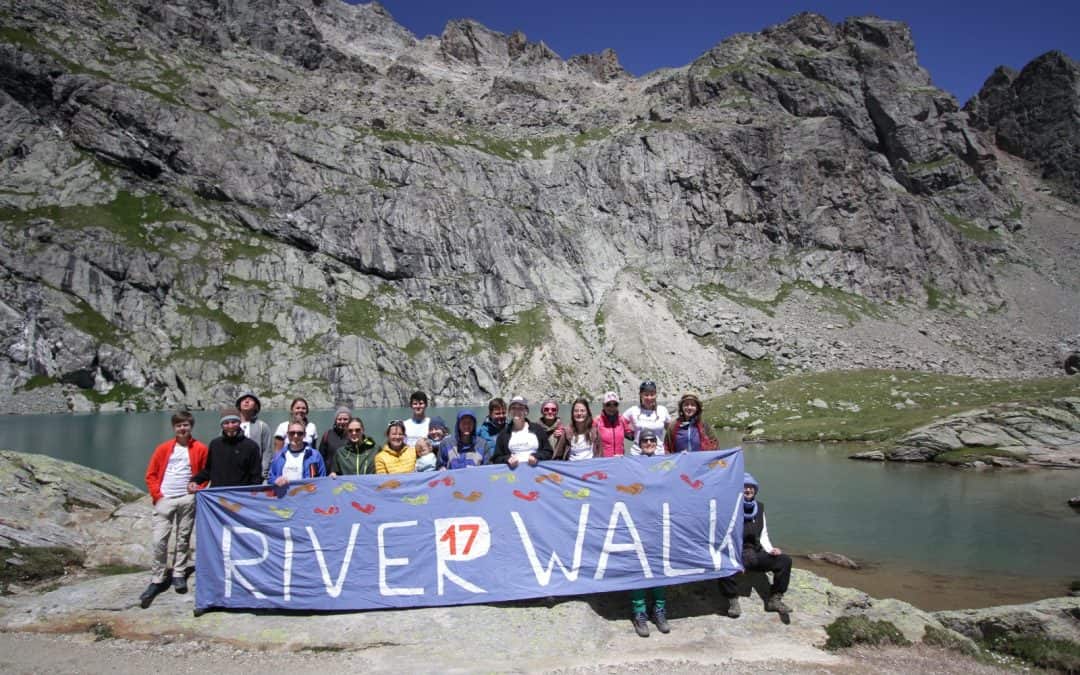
[(247, 453)]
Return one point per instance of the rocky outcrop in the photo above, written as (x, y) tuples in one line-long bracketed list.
[(1053, 618), (198, 198), (1036, 114), (1007, 435)]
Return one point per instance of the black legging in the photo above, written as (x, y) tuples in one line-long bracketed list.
[(760, 561)]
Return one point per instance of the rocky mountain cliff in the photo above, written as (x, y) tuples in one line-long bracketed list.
[(302, 198)]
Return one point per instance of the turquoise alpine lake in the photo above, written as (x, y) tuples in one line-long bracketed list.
[(1002, 528)]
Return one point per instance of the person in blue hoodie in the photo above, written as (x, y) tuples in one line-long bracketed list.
[(297, 460), (758, 555), (495, 422), (465, 448)]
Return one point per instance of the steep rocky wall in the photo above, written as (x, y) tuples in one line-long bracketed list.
[(198, 197)]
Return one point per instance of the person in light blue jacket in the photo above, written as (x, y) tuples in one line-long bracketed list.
[(297, 460)]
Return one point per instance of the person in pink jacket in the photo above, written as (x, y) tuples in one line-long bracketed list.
[(612, 428)]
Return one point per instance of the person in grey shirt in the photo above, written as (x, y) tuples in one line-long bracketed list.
[(255, 429)]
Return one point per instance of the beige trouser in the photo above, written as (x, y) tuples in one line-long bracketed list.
[(178, 512)]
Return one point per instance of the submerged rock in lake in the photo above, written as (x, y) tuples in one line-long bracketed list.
[(1005, 435)]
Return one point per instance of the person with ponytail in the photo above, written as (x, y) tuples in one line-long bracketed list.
[(758, 555)]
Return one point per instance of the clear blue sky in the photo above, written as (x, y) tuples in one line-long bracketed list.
[(960, 42)]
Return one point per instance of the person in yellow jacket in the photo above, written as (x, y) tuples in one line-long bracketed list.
[(395, 456)]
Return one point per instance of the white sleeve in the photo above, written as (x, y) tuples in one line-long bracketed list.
[(765, 543)]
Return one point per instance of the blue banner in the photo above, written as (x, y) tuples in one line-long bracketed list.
[(477, 535)]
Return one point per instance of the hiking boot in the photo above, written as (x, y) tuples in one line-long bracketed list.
[(659, 617), (733, 609), (150, 593), (641, 624), (776, 604), (180, 584)]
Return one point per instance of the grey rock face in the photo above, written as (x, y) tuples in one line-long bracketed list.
[(301, 197), (1036, 114), (1055, 619)]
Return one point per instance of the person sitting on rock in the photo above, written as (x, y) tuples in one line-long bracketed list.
[(357, 456), (396, 456), (464, 448), (298, 460), (758, 555), (171, 468)]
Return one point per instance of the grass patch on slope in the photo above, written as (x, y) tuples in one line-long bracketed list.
[(871, 405)]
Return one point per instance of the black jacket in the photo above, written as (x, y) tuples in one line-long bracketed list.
[(502, 443), (232, 461)]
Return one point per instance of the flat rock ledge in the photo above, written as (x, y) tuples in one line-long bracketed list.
[(1011, 435)]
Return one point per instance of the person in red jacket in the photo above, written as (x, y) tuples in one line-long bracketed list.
[(171, 468), (611, 427)]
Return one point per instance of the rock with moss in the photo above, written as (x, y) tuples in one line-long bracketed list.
[(1054, 618)]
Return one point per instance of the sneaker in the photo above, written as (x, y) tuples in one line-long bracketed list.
[(733, 609), (659, 617), (180, 584), (641, 624), (149, 594), (776, 604)]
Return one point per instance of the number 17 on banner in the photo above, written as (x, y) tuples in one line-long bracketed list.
[(460, 539)]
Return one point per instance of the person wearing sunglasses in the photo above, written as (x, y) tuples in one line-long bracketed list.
[(298, 460), (549, 419), (647, 415), (612, 428), (357, 456)]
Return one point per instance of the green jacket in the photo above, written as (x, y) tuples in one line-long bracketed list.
[(354, 458)]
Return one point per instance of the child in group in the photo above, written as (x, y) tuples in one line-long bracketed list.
[(425, 457), (437, 431)]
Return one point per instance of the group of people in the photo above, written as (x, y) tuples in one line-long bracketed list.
[(248, 453)]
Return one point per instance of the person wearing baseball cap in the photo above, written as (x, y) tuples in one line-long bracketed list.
[(612, 428), (647, 415), (521, 440), (233, 459), (758, 555)]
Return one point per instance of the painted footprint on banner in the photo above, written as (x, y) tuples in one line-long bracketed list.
[(363, 508), (598, 475), (666, 465), (232, 506), (416, 501), (269, 492), (631, 489), (344, 487), (331, 511), (283, 513), (718, 464), (389, 485), (471, 497), (530, 496), (306, 487), (583, 493), (447, 481), (695, 484), (510, 478), (553, 477)]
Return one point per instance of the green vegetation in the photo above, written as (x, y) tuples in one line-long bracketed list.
[(29, 42), (926, 167), (119, 394), (130, 217), (947, 639), (243, 337), (415, 346), (38, 563), (37, 382), (86, 319), (969, 229), (889, 403), (933, 296), (111, 570), (1043, 652), (841, 303), (759, 370), (505, 148), (969, 455), (1016, 212), (102, 631), (358, 316), (848, 631)]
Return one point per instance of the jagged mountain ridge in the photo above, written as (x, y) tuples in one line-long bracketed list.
[(303, 198)]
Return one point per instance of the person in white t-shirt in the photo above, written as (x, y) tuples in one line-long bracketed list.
[(579, 440), (416, 427), (647, 415), (298, 412), (521, 441)]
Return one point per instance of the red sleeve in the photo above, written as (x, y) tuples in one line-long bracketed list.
[(155, 470)]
